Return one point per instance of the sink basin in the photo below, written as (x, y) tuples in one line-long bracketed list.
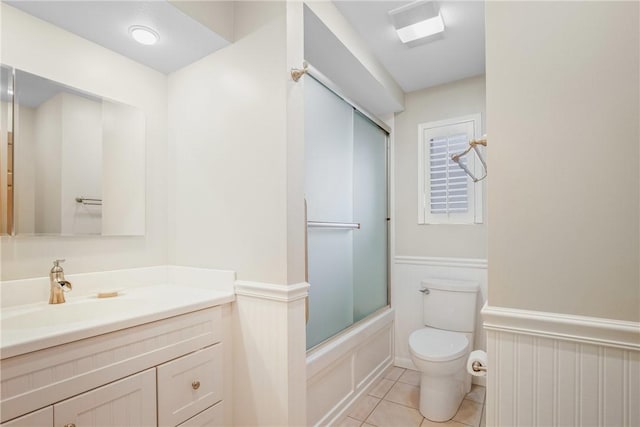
[(45, 315)]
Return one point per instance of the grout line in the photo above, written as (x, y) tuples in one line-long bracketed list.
[(400, 404), (371, 412), (483, 403)]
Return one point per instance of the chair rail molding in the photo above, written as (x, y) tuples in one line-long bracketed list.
[(272, 291), (568, 327), (442, 262)]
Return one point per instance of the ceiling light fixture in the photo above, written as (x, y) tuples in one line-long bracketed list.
[(143, 35), (417, 20)]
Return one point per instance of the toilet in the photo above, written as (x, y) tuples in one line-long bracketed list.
[(440, 350)]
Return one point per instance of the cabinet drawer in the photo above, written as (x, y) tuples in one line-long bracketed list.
[(189, 385), (212, 417), (128, 402)]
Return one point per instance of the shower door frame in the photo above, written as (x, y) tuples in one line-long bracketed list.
[(328, 84)]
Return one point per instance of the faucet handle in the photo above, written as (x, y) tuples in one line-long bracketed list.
[(56, 266)]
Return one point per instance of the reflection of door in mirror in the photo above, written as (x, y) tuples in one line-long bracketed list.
[(79, 162), (6, 150), (58, 158)]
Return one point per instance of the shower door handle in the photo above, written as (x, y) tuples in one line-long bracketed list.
[(306, 262), (335, 225)]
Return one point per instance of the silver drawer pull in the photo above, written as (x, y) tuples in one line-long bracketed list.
[(425, 291), (70, 425), (195, 385)]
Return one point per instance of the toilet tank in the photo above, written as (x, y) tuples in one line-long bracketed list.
[(450, 304)]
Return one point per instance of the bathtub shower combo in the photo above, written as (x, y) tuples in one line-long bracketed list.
[(346, 189)]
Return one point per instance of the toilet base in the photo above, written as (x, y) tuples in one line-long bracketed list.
[(440, 397)]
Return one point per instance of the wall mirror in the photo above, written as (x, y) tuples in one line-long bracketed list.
[(72, 163)]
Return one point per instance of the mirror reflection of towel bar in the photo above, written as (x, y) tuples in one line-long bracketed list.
[(88, 201), (338, 225)]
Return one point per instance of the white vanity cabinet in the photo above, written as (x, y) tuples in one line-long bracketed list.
[(164, 373)]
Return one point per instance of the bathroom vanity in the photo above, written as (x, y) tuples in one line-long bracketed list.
[(152, 356)]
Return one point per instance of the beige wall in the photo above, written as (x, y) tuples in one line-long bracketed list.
[(563, 122), (227, 137), (41, 48), (47, 127), (216, 15), (451, 100), (25, 171), (236, 197)]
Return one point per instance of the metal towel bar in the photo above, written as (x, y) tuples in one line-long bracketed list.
[(337, 225), (89, 201)]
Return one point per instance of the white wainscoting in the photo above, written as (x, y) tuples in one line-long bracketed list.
[(549, 369), (408, 273), (346, 367), (269, 354)]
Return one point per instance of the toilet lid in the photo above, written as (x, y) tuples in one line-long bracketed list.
[(437, 345)]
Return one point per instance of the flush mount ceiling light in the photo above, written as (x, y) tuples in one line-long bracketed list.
[(417, 20), (143, 35)]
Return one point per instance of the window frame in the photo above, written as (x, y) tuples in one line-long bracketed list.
[(474, 214)]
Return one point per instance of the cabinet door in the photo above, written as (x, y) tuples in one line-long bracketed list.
[(128, 402), (41, 418)]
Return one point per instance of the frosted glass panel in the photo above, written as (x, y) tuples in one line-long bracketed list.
[(370, 210), (329, 193), (345, 182)]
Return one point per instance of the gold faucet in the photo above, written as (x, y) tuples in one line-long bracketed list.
[(58, 284)]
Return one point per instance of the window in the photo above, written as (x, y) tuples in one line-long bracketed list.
[(446, 194)]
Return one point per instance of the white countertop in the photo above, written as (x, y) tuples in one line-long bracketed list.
[(37, 325), (32, 327)]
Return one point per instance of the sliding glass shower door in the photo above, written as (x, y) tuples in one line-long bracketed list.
[(346, 193)]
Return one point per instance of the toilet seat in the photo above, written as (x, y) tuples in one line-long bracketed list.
[(436, 345)]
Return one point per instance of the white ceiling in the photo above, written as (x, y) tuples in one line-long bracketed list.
[(459, 54), (182, 39)]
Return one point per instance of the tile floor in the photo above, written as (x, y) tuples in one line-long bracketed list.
[(394, 401)]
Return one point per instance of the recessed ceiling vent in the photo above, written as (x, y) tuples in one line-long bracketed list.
[(418, 22)]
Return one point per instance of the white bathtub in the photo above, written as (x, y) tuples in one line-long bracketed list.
[(344, 368)]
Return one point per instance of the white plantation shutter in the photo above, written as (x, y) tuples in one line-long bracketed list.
[(447, 195), (448, 183)]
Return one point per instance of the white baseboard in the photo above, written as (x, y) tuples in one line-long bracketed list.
[(403, 362)]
